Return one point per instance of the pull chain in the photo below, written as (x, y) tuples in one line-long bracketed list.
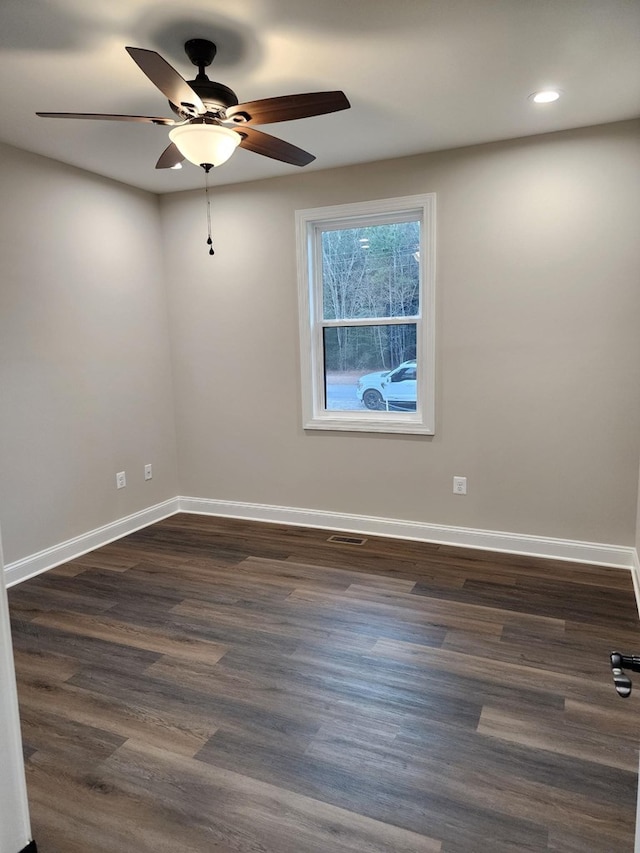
[(206, 193)]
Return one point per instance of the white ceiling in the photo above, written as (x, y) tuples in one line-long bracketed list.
[(421, 75)]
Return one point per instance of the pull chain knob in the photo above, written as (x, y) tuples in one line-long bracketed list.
[(207, 167)]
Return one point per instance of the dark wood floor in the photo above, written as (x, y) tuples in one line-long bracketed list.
[(212, 685)]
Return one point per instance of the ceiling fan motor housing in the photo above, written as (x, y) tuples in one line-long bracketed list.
[(215, 96)]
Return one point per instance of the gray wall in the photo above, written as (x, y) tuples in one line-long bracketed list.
[(85, 375), (538, 400), (538, 356)]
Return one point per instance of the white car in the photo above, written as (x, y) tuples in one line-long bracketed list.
[(389, 389)]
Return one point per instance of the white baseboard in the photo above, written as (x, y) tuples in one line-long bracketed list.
[(27, 567), (487, 540)]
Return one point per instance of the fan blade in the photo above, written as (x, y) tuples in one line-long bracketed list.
[(288, 107), (166, 78), (271, 146), (170, 157), (106, 117)]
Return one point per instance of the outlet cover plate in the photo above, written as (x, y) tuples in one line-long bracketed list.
[(459, 485)]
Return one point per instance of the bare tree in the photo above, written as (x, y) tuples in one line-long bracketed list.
[(370, 272)]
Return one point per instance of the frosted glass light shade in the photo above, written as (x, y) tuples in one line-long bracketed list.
[(202, 144)]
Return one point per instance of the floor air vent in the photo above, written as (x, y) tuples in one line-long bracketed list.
[(347, 540)]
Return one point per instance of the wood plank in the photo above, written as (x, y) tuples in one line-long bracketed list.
[(515, 676), (554, 734), (177, 732), (138, 637), (261, 815)]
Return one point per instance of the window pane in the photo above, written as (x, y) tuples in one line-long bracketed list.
[(371, 271), (370, 367)]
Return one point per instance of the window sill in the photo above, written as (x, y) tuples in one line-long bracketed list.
[(392, 424)]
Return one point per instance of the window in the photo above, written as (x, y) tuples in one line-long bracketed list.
[(366, 294)]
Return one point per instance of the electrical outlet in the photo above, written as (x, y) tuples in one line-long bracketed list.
[(148, 472), (459, 485), (121, 480)]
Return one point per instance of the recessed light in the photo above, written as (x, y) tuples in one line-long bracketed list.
[(547, 96)]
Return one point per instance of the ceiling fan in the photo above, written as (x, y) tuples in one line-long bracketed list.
[(210, 122)]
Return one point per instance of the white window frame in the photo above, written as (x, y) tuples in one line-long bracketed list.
[(310, 224)]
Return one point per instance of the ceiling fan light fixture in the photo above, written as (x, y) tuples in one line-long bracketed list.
[(205, 144)]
